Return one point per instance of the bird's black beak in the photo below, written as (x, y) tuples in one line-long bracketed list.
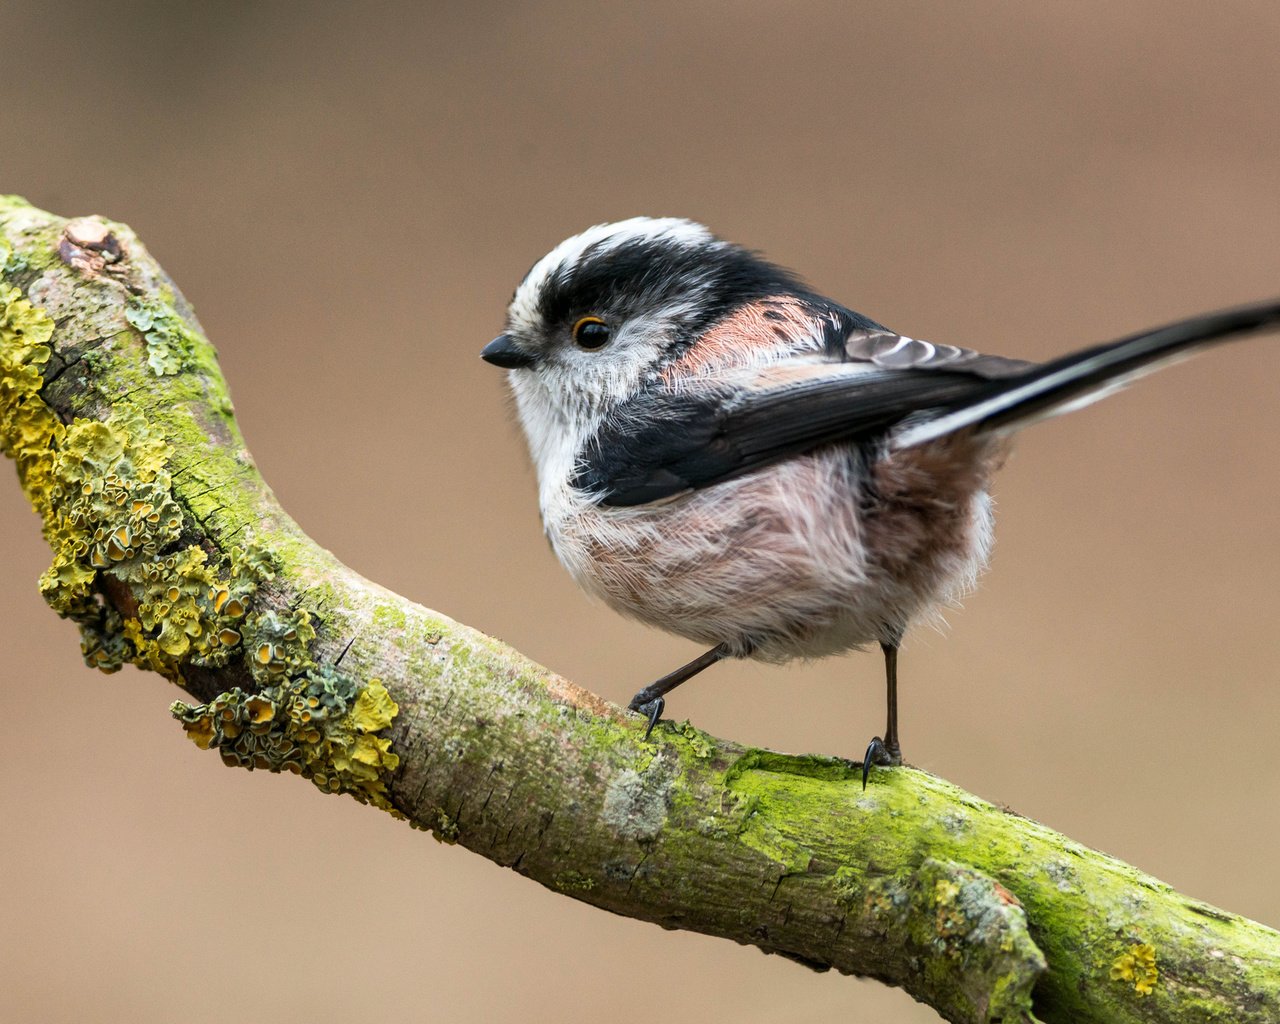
[(502, 351)]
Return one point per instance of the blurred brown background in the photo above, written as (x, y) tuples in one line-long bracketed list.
[(349, 192)]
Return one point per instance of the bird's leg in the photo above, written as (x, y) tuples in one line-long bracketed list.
[(886, 751), (650, 701), (891, 699)]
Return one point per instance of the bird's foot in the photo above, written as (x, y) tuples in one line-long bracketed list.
[(878, 753), (650, 707)]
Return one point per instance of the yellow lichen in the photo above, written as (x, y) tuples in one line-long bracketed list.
[(280, 643), (201, 731), (320, 724), (1137, 965), (949, 919), (28, 427), (184, 610), (374, 709), (105, 495), (260, 710)]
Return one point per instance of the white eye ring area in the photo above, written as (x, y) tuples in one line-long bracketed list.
[(591, 333)]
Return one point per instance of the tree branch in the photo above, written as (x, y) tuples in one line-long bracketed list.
[(170, 552)]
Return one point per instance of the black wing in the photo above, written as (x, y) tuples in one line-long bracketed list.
[(666, 441)]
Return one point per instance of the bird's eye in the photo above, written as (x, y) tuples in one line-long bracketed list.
[(591, 332)]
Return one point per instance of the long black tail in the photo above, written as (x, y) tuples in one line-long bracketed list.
[(1086, 376)]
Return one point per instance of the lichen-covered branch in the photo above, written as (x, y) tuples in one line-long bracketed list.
[(169, 552)]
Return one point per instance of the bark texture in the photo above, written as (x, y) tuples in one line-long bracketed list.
[(170, 552)]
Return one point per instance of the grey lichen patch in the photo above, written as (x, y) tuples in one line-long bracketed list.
[(13, 265), (171, 345), (730, 816), (967, 935), (636, 803), (715, 828), (1129, 907), (98, 313), (1063, 875)]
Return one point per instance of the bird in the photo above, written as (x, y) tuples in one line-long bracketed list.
[(727, 455)]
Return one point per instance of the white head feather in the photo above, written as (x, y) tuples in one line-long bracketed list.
[(600, 238)]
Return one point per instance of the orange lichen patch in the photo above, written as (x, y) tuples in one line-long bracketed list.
[(1005, 896), (227, 604), (117, 547), (562, 691)]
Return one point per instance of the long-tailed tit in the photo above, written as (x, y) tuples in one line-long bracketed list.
[(728, 456)]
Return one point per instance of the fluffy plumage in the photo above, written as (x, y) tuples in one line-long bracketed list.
[(751, 465)]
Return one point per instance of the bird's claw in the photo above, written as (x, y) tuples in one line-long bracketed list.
[(651, 709), (878, 753)]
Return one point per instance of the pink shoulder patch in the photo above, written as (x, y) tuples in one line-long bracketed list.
[(774, 325)]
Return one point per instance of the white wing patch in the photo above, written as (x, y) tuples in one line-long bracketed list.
[(931, 430)]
